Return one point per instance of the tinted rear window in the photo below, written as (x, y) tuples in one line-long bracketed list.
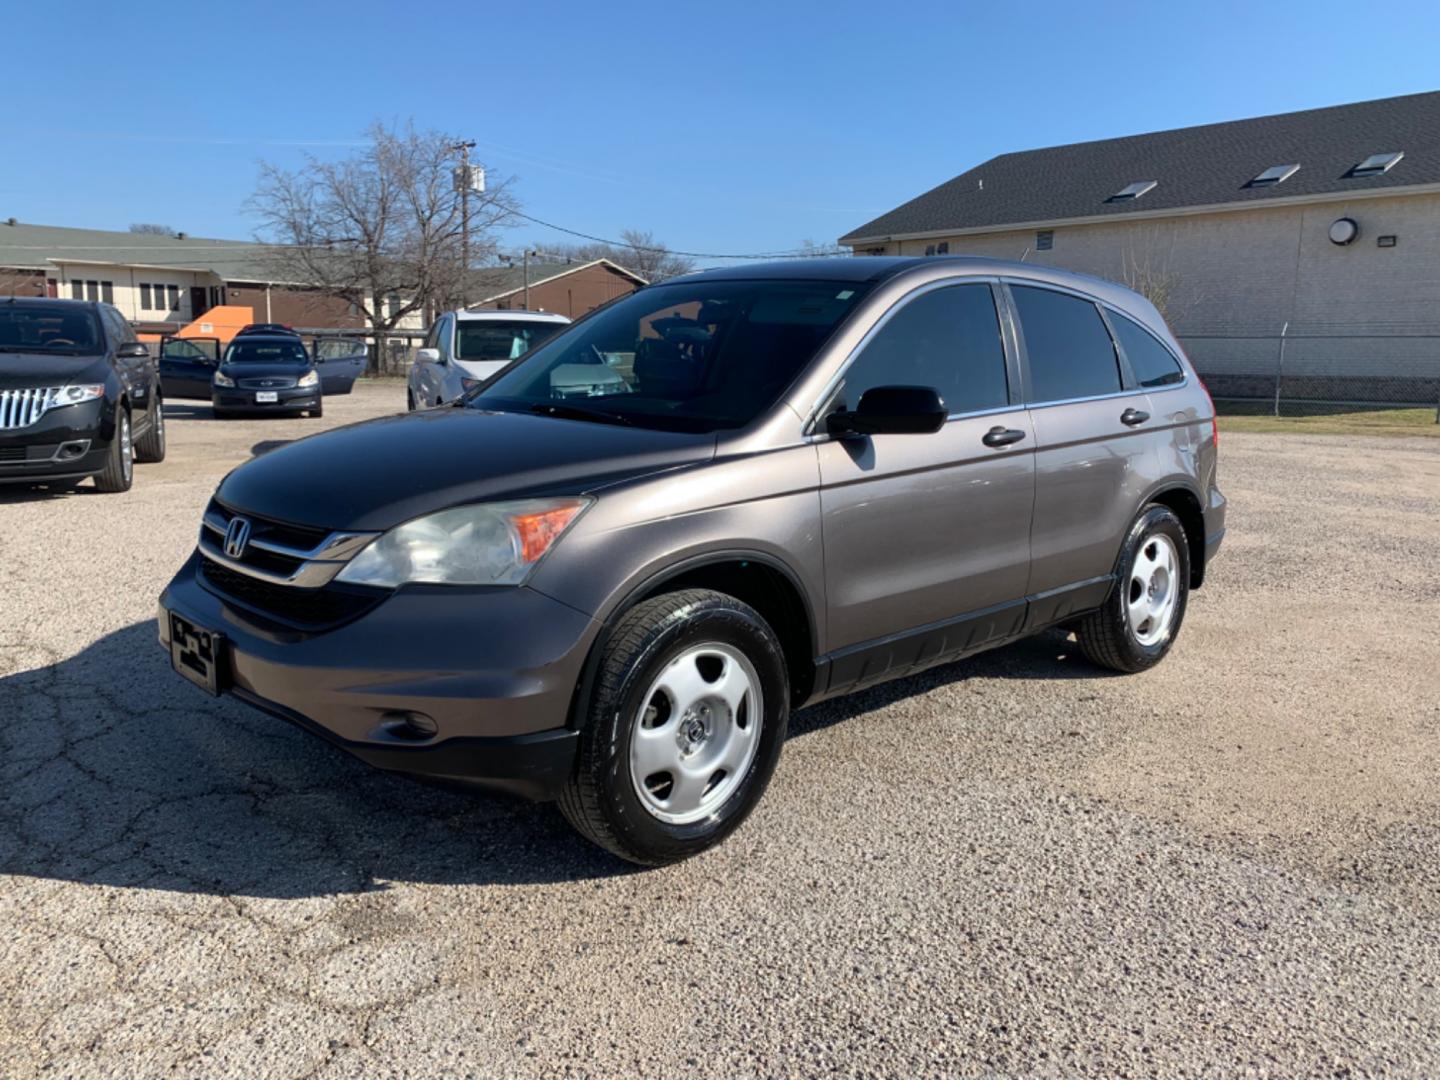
[(1069, 350), (1152, 362), (250, 351)]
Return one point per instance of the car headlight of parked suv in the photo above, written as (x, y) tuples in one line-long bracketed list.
[(75, 395), (221, 379), (310, 378), (485, 544)]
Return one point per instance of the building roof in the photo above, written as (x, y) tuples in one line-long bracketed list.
[(498, 282), (43, 246), (1210, 165)]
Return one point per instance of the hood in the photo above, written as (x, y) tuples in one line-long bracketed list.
[(251, 370), (18, 370), (377, 474)]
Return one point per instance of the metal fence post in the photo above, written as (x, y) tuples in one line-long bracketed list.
[(1280, 366)]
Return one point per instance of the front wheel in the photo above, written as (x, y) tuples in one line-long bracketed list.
[(150, 448), (119, 469), (683, 729), (1138, 623)]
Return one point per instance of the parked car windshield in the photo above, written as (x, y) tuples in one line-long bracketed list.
[(494, 340), (242, 351), (693, 355), (48, 328)]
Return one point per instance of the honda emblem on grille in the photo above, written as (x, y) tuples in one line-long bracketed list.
[(237, 535)]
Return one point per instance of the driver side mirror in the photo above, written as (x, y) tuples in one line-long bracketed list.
[(891, 410), (133, 349), (427, 356)]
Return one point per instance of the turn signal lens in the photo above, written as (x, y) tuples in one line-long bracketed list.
[(537, 531)]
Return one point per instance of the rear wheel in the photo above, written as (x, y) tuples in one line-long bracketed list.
[(119, 471), (1139, 622), (409, 401), (151, 447), (683, 729)]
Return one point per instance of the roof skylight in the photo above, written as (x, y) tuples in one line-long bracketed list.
[(1376, 164), (1276, 174), (1133, 191)]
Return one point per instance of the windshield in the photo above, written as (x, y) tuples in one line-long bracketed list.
[(48, 328), (493, 340), (266, 352), (690, 356)]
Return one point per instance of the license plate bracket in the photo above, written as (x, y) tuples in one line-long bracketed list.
[(266, 397), (197, 653)]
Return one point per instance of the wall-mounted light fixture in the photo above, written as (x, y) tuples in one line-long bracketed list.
[(1343, 231)]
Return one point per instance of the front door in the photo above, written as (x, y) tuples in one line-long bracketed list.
[(340, 362), (927, 537), (187, 365), (1093, 457), (197, 303)]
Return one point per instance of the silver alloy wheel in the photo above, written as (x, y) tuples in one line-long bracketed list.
[(160, 423), (127, 451), (697, 733), (1152, 589)]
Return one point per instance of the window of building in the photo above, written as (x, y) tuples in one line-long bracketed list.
[(942, 248), (77, 290), (1276, 174), (1152, 363), (1069, 350), (1045, 240), (144, 297), (92, 290), (948, 339), (1376, 164), (107, 291), (929, 249), (1133, 191), (174, 297)]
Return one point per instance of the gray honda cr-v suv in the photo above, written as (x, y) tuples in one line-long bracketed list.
[(610, 575)]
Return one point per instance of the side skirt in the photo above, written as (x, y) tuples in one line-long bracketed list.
[(898, 655)]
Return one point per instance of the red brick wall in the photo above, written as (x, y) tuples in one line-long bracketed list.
[(22, 282), (572, 295), (293, 307)]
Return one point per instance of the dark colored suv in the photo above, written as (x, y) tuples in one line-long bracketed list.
[(79, 395), (791, 481), (266, 369)]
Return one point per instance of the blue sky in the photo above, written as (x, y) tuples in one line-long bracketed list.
[(732, 127)]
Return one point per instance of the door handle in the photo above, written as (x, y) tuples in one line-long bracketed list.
[(1132, 417), (1002, 436)]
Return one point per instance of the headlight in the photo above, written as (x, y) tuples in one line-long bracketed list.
[(74, 395), (310, 378), (485, 544), (221, 379)]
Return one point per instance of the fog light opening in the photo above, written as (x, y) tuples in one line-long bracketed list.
[(415, 726), (71, 450)]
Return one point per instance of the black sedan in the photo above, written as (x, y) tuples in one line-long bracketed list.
[(266, 373)]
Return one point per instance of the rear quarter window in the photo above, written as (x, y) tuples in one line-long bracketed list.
[(1153, 364)]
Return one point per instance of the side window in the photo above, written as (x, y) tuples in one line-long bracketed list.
[(948, 339), (1152, 362), (1069, 350)]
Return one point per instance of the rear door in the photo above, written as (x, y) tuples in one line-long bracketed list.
[(340, 362), (186, 366), (927, 537), (1093, 461)]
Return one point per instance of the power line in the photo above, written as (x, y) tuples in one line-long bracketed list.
[(792, 253)]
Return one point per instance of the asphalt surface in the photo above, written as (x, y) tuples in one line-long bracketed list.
[(1012, 865)]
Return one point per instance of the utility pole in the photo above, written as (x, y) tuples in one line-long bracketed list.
[(464, 180)]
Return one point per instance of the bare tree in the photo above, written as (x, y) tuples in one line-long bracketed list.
[(149, 228), (820, 249), (383, 228), (639, 253), (1148, 273)]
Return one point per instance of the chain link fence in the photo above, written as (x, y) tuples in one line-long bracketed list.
[(1307, 373)]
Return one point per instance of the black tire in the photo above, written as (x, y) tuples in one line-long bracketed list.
[(409, 401), (600, 800), (1105, 636), (119, 471), (151, 448), (318, 411), (219, 414)]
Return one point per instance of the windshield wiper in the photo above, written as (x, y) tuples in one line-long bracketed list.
[(575, 412)]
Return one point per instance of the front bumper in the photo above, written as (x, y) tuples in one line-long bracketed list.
[(292, 400), (66, 443), (495, 670)]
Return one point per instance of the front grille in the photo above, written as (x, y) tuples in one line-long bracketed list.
[(309, 609), (272, 383), (303, 537), (21, 408)]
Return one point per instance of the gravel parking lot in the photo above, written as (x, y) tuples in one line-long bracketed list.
[(1016, 864)]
